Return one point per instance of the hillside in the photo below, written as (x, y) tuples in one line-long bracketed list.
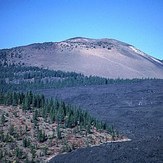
[(34, 129), (100, 57)]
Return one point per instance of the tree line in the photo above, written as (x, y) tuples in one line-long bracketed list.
[(53, 111), (21, 78)]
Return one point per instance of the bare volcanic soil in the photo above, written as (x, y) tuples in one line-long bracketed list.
[(135, 110)]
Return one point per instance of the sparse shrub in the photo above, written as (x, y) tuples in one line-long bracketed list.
[(67, 147), (19, 153), (45, 150), (11, 130)]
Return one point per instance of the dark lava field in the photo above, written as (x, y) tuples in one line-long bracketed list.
[(134, 109)]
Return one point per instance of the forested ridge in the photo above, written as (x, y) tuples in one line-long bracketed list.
[(51, 110), (22, 78), (32, 128)]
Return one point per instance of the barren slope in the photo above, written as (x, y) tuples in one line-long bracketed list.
[(101, 57), (135, 109)]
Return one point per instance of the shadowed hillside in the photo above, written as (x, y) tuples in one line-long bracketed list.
[(135, 109)]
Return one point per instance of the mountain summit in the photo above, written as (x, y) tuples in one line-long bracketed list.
[(101, 57)]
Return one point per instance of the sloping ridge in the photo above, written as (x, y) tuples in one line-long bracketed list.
[(101, 57)]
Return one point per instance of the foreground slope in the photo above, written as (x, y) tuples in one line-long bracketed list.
[(101, 57), (34, 129)]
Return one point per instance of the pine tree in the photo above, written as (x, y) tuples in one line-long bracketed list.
[(3, 119), (71, 120), (26, 102), (1, 154), (45, 150), (15, 99), (35, 115), (89, 128), (2, 98), (42, 101), (33, 152), (52, 114), (58, 132), (19, 153), (25, 142), (60, 115), (41, 136), (9, 99)]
